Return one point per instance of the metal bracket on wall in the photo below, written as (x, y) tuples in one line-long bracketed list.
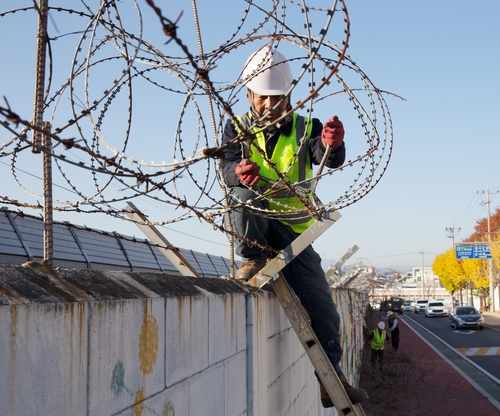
[(167, 249), (331, 271)]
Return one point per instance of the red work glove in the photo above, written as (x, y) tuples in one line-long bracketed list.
[(333, 133), (248, 172)]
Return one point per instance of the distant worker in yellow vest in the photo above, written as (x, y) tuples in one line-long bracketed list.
[(376, 339), (273, 153)]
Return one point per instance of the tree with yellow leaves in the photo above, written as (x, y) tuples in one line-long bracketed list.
[(450, 271), (495, 251), (478, 274), (471, 273)]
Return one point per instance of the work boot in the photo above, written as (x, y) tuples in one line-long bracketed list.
[(356, 395), (249, 269), (325, 398)]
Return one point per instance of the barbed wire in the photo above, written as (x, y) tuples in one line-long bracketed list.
[(100, 141)]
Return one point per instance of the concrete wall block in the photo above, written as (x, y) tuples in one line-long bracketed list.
[(206, 392), (272, 314), (299, 379), (278, 398), (276, 347), (43, 359), (187, 341), (306, 405), (304, 370), (226, 323), (284, 351), (235, 385), (126, 353), (241, 322), (162, 345), (277, 319), (258, 371), (170, 402)]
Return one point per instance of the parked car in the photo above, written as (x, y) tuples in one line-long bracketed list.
[(466, 317), (420, 305), (395, 304), (436, 308)]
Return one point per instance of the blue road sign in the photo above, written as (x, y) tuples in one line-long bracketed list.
[(463, 252)]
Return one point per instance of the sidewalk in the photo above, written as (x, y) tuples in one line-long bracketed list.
[(417, 380)]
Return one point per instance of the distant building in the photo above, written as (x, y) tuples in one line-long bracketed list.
[(425, 277)]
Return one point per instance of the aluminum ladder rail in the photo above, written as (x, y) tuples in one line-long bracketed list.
[(298, 316)]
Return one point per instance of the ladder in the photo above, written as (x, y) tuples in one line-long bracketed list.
[(298, 316)]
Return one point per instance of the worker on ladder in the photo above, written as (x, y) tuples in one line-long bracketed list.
[(273, 222)]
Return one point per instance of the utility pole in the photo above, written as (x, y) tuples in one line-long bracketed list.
[(451, 232), (490, 260), (422, 274)]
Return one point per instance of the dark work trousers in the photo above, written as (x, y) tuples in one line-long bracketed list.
[(304, 273), (395, 338), (377, 358)]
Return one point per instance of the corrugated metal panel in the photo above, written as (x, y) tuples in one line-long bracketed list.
[(165, 264), (100, 250), (9, 240), (140, 255), (31, 232), (191, 259), (65, 246), (205, 263), (220, 265)]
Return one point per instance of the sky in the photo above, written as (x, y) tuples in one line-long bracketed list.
[(438, 61)]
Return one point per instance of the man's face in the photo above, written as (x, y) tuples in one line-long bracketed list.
[(263, 103)]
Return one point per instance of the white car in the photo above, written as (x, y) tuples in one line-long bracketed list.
[(436, 308), (420, 305)]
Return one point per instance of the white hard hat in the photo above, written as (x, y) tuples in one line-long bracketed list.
[(390, 313), (267, 73), (381, 325)]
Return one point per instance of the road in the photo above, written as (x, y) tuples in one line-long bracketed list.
[(475, 352)]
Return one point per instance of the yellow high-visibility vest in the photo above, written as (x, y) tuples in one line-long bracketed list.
[(378, 340), (295, 164)]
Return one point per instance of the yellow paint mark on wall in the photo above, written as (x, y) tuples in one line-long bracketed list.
[(148, 344), (168, 409), (139, 405)]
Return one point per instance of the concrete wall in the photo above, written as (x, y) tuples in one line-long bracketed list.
[(88, 342)]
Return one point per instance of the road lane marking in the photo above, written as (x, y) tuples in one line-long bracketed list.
[(479, 351)]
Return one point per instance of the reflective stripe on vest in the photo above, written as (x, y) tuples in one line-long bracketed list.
[(286, 158), (378, 340)]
